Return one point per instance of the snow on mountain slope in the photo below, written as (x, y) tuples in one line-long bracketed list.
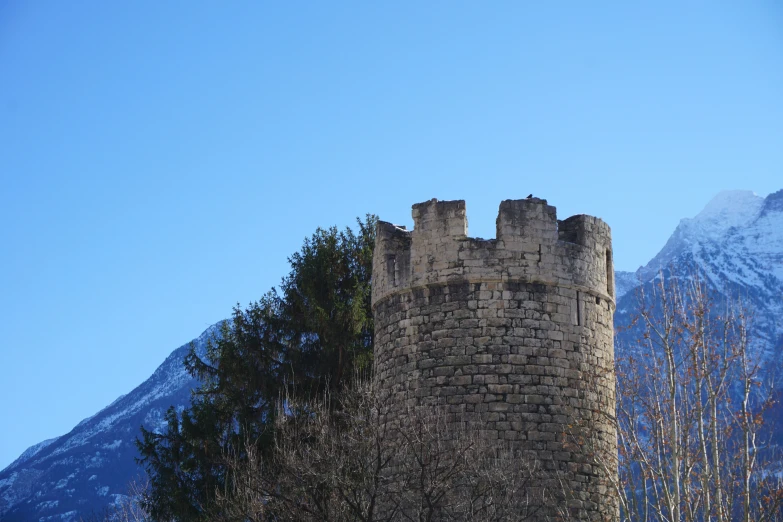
[(624, 282), (744, 229), (30, 452), (87, 469), (763, 237), (729, 209), (736, 244)]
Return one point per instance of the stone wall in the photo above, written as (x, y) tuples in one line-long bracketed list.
[(514, 334)]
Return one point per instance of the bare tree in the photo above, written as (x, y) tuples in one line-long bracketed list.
[(690, 412), (449, 470), (339, 460), (128, 508)]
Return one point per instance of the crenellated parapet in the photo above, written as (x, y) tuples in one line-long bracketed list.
[(532, 246)]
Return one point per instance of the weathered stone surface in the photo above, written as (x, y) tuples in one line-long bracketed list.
[(515, 331)]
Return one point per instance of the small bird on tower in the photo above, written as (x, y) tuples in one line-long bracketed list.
[(530, 196)]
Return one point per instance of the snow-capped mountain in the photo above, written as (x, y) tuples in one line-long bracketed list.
[(736, 243), (739, 226), (88, 469), (735, 247)]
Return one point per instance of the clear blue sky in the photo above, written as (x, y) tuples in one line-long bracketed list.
[(159, 160)]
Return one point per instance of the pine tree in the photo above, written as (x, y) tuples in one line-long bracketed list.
[(313, 334)]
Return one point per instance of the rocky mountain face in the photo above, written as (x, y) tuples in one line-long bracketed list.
[(735, 244), (85, 471)]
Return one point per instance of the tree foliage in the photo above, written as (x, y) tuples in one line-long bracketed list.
[(313, 333)]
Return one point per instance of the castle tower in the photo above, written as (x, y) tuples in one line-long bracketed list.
[(514, 333)]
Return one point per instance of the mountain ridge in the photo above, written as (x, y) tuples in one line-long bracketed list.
[(89, 467), (736, 242)]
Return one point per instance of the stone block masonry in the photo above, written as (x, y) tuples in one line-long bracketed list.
[(514, 333)]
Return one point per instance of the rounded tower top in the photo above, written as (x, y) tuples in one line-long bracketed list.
[(532, 245)]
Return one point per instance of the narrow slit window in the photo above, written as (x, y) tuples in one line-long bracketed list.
[(609, 274), (391, 269)]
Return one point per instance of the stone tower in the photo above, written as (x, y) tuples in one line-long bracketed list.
[(514, 332)]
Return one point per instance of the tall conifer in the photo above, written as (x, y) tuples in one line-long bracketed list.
[(314, 333)]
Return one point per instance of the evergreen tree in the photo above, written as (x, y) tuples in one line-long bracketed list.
[(314, 333)]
